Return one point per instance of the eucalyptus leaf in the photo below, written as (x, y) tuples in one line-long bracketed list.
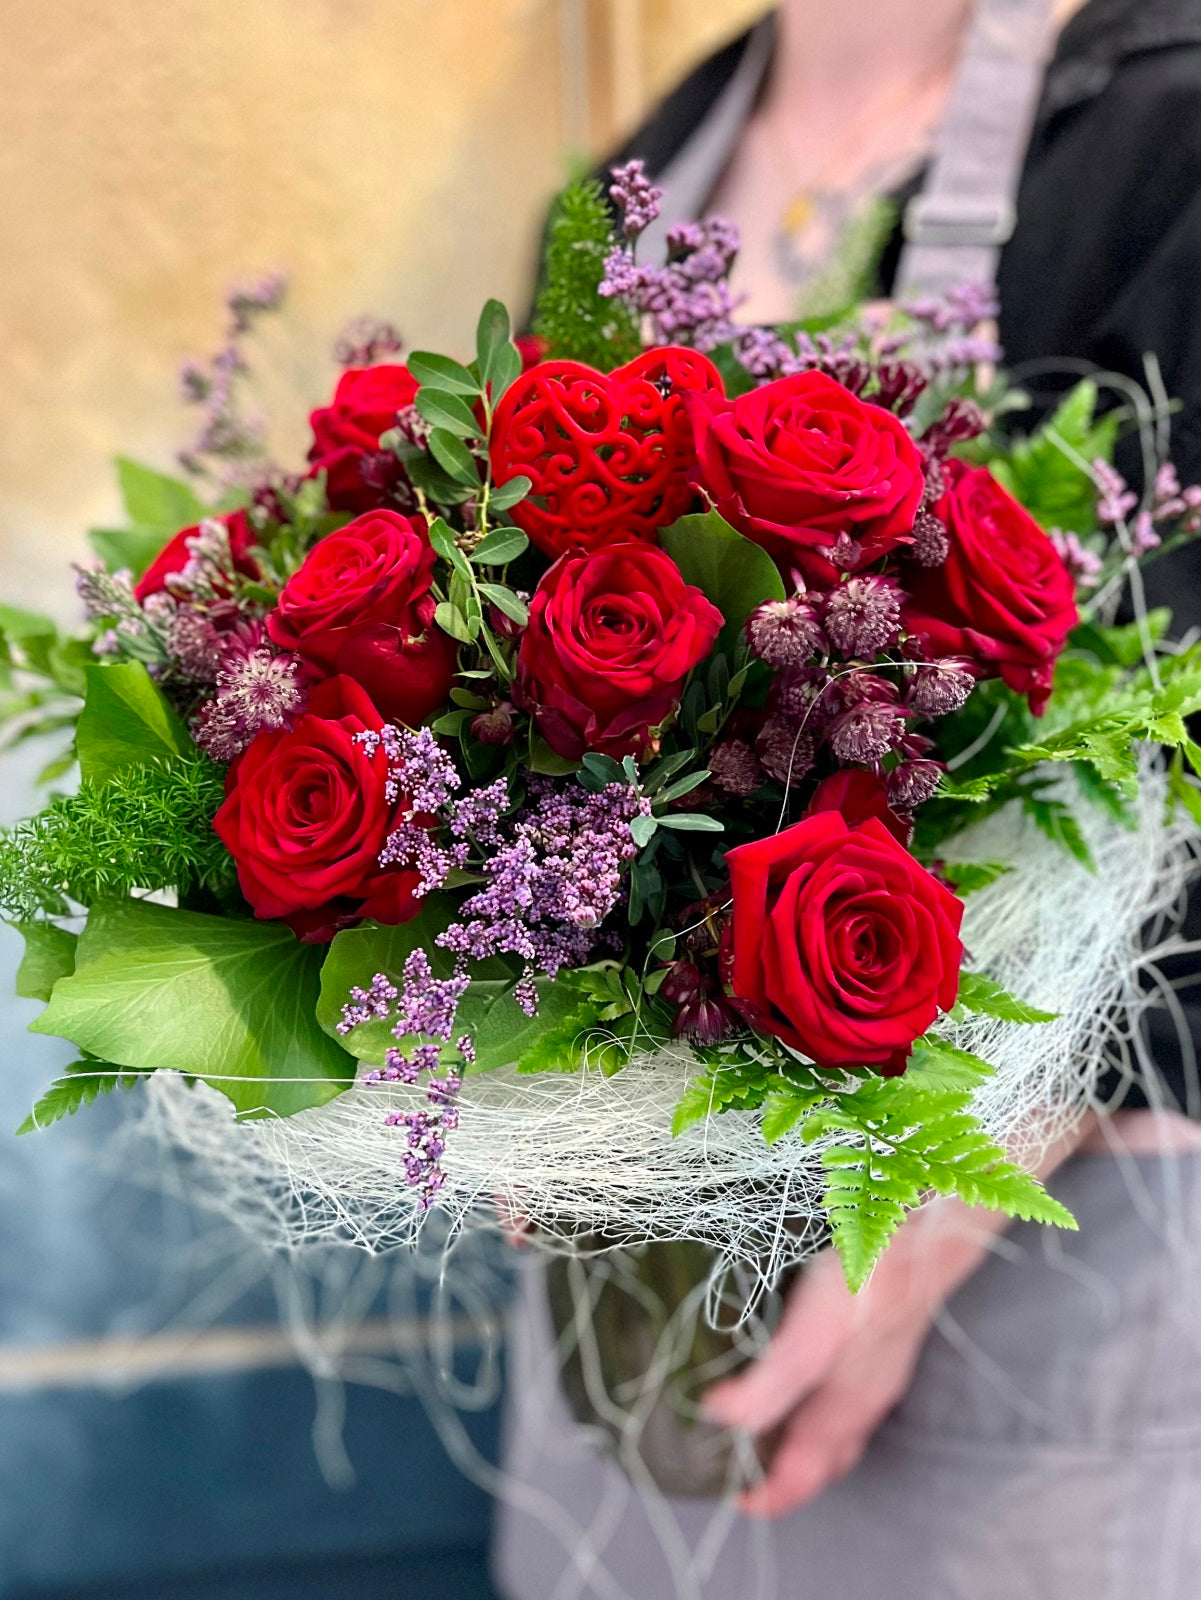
[(505, 600), (453, 456), (449, 411), (440, 372), (451, 620), (504, 496), (500, 547)]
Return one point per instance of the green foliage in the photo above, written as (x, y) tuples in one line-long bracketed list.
[(49, 956), (1056, 819), (577, 322), (734, 1082), (502, 1032), (731, 572), (230, 1002), (157, 506), (905, 1138), (1049, 472), (936, 1064), (126, 722), (967, 877), (146, 828), (84, 1082), (981, 994)]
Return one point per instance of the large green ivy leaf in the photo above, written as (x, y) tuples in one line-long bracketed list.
[(733, 573), (125, 722), (488, 1012), (230, 1002), (49, 956)]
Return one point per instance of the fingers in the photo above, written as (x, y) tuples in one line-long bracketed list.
[(829, 1432), (813, 1330)]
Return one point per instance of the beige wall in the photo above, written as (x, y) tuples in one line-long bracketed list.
[(393, 155)]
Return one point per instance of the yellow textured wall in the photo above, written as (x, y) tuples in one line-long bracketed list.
[(394, 156)]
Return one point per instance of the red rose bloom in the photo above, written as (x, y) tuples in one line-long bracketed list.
[(611, 638), (1003, 598), (305, 817), (173, 557), (798, 462), (365, 404), (844, 946), (361, 605)]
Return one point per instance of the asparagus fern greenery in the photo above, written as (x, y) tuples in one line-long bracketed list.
[(577, 322)]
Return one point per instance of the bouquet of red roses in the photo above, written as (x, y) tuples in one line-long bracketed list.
[(571, 784)]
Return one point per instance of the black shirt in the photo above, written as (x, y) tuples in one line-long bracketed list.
[(1103, 266)]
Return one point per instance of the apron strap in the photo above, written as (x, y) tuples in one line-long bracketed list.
[(955, 228)]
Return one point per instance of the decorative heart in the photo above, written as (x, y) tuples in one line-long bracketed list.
[(609, 455)]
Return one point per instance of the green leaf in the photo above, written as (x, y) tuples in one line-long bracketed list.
[(577, 322), (500, 547), (549, 762), (643, 830), (126, 722), (728, 1086), (440, 372), (22, 627), (966, 877), (561, 1048), (504, 496), (453, 456), (683, 786), (691, 822), (84, 1082), (443, 540), (451, 620), (981, 994), (449, 411), (152, 497), (784, 1109), (736, 575), (231, 1002), (132, 548), (505, 600), (491, 339), (971, 789), (1054, 819), (49, 956), (935, 1064)]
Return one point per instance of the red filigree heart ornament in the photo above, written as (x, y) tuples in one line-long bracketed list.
[(610, 456)]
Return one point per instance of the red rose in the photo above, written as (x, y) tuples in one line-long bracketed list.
[(306, 814), (1003, 598), (844, 946), (365, 404), (798, 462), (173, 557), (361, 605), (856, 795), (611, 638)]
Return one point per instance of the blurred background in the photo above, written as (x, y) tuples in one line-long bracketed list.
[(158, 1439)]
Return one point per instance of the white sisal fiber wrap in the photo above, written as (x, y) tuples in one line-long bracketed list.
[(582, 1153)]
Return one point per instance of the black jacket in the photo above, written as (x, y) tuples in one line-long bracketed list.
[(1103, 266)]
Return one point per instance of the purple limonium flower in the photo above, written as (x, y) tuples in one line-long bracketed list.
[(1084, 564), (366, 340), (635, 197)]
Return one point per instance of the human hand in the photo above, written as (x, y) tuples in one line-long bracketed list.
[(838, 1363)]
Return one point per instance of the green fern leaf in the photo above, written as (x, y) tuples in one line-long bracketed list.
[(981, 994), (85, 1082)]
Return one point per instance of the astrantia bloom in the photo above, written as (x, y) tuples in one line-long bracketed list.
[(844, 946)]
